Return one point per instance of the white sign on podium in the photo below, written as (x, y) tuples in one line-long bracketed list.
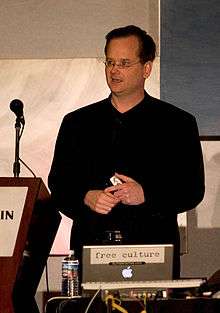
[(12, 200)]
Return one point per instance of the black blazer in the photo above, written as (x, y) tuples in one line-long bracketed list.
[(155, 143)]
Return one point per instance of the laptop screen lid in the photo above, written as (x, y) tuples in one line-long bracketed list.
[(115, 263)]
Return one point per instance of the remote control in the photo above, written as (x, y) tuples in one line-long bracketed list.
[(115, 180)]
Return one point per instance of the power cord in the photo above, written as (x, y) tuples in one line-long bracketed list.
[(27, 167), (110, 300), (91, 301)]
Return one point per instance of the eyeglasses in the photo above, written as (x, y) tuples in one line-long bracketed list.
[(122, 64)]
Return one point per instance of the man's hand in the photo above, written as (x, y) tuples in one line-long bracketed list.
[(129, 192), (100, 201)]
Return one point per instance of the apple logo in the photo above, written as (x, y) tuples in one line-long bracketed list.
[(127, 272)]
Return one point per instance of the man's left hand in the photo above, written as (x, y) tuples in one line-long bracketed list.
[(129, 192)]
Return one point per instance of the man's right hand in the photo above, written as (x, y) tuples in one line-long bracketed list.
[(100, 201)]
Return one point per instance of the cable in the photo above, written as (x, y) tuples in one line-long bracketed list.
[(91, 301), (145, 303), (114, 304), (142, 304), (21, 131), (27, 167), (62, 305)]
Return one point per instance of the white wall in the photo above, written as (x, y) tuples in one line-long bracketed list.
[(68, 29)]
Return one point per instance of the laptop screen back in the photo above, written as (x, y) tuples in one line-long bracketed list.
[(115, 263)]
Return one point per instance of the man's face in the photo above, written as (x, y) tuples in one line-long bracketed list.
[(129, 80)]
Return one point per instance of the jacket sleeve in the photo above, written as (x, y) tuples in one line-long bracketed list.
[(178, 184), (67, 177)]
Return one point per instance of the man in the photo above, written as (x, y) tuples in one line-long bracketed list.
[(153, 148)]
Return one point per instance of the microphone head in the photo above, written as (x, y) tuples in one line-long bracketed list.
[(16, 106)]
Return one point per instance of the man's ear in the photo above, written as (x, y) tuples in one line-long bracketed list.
[(147, 69)]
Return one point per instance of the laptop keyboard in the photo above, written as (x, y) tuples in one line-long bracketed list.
[(178, 283)]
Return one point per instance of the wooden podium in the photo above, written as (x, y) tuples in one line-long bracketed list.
[(21, 269)]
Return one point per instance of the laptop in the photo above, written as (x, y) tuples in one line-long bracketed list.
[(104, 264)]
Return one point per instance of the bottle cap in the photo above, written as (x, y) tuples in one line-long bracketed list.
[(71, 252)]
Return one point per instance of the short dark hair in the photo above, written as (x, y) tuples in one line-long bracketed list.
[(147, 46)]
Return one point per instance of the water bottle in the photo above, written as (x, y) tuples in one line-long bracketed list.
[(70, 275)]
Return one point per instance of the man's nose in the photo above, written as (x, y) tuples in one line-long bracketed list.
[(115, 67)]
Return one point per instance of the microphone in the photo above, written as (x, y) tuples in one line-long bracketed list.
[(16, 106)]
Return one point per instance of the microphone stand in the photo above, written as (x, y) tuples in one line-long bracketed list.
[(16, 165)]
